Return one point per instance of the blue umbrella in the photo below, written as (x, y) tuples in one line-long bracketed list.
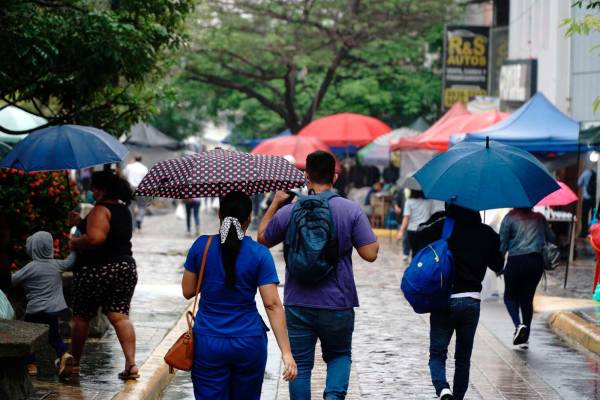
[(63, 147), (482, 176)]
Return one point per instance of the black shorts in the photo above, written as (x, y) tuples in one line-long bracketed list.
[(109, 286)]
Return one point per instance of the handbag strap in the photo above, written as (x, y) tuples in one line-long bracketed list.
[(200, 276)]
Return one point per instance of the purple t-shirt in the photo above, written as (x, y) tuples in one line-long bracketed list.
[(337, 291)]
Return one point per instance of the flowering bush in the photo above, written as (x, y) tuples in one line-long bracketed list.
[(33, 202)]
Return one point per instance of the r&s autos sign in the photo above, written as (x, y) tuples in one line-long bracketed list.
[(466, 51)]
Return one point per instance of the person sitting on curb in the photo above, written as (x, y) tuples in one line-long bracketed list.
[(323, 310), (42, 281)]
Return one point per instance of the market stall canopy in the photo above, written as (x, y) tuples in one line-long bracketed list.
[(590, 136), (439, 139), (18, 120), (456, 110), (377, 153), (346, 129), (253, 142), (537, 126), (419, 124), (296, 146), (11, 139), (145, 135)]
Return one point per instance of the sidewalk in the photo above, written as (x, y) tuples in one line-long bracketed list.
[(160, 251)]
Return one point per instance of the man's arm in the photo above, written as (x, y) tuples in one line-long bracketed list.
[(368, 252), (280, 198)]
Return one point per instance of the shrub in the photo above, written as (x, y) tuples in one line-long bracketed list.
[(33, 202)]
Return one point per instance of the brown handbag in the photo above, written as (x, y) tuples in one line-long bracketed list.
[(181, 355)]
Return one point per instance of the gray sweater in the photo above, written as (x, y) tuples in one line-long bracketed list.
[(42, 277)]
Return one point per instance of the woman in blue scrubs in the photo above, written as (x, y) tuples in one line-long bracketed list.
[(230, 337)]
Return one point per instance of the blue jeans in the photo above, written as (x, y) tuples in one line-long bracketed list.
[(334, 329), (192, 207), (462, 316), (52, 320)]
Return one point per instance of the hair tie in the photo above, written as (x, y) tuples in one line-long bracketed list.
[(226, 226)]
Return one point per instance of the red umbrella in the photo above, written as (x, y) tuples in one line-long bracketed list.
[(561, 197), (346, 129), (296, 146), (217, 172)]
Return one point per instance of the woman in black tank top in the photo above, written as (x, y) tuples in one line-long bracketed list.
[(104, 249)]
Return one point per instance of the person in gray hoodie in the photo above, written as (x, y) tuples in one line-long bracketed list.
[(42, 281)]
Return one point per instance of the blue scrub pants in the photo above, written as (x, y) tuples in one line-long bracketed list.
[(229, 368)]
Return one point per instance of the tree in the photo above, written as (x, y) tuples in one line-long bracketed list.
[(87, 62), (588, 24), (297, 59)]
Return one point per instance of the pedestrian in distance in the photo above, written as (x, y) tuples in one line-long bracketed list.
[(134, 172), (192, 208), (230, 337), (105, 275), (523, 234), (319, 306), (587, 183), (42, 281), (475, 247), (417, 210)]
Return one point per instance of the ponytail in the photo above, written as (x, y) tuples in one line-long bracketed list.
[(235, 209)]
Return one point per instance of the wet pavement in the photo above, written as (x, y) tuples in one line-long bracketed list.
[(390, 341), (390, 350), (159, 250)]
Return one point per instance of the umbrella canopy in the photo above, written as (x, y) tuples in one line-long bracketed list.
[(346, 129), (438, 138), (298, 147), (217, 172), (142, 134), (561, 197), (4, 150), (537, 126), (482, 177), (377, 153), (64, 147), (16, 119), (456, 110)]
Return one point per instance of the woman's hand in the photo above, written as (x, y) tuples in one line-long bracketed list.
[(290, 371)]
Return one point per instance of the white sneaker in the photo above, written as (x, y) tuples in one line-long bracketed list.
[(523, 346), (446, 394), (520, 336)]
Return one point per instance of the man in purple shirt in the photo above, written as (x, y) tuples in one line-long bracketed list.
[(324, 310)]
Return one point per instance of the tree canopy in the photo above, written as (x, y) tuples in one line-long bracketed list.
[(87, 62), (271, 65)]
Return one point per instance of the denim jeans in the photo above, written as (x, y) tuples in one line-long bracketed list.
[(192, 208), (462, 316), (334, 329), (52, 320)]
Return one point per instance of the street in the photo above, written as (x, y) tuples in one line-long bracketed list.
[(390, 349)]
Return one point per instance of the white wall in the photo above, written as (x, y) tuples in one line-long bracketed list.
[(535, 32)]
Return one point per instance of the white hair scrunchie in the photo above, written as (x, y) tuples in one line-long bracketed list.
[(226, 226)]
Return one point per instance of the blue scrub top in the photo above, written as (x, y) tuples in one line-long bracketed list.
[(231, 312)]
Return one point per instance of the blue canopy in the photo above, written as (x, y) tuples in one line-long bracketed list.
[(537, 126)]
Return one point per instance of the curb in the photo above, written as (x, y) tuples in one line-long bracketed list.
[(154, 374), (574, 328), (385, 233)]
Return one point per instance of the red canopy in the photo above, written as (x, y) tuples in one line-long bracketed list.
[(296, 146), (346, 129), (438, 136)]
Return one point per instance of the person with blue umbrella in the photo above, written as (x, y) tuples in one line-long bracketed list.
[(472, 177)]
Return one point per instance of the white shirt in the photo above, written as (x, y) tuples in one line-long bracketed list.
[(134, 173), (418, 211)]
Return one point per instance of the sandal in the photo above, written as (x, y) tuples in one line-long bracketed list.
[(67, 366), (127, 375)]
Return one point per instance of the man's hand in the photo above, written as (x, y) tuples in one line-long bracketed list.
[(74, 218), (280, 198)]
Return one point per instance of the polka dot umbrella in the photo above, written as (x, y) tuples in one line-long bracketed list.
[(217, 172)]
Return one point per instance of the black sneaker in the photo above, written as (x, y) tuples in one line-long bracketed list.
[(521, 334)]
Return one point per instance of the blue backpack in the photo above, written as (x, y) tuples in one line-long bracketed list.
[(311, 245), (427, 282)]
